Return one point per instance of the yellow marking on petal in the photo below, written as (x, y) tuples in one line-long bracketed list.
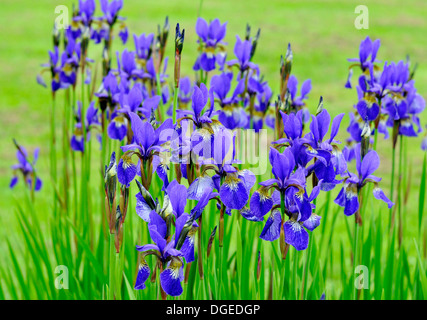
[(127, 161), (232, 181), (68, 69)]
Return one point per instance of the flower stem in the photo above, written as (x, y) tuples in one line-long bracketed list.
[(199, 249), (111, 276)]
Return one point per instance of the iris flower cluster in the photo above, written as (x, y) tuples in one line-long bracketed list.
[(387, 97), (285, 195), (183, 134)]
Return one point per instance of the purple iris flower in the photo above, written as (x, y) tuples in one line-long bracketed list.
[(242, 51), (290, 183), (210, 38), (405, 111), (128, 67), (169, 250), (54, 69), (172, 275), (261, 107), (348, 196), (123, 33), (86, 11), (143, 45), (26, 168), (70, 60), (231, 114), (185, 90), (319, 126), (118, 127), (232, 184), (111, 10), (297, 102), (199, 100), (368, 48), (147, 142), (91, 120)]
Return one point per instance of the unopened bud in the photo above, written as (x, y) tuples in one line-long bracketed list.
[(211, 239), (146, 195), (366, 136), (56, 36), (185, 230), (255, 43), (110, 179), (258, 270), (319, 106), (179, 40), (124, 200), (248, 32)]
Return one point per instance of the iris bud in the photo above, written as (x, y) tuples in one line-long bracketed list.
[(319, 106), (211, 239), (366, 135), (185, 230), (110, 179)]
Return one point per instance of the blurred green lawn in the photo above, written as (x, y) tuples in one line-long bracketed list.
[(322, 35)]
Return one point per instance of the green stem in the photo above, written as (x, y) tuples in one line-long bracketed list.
[(304, 288), (392, 185), (111, 285), (355, 255)]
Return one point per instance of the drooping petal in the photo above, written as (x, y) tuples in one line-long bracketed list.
[(313, 222), (233, 192), (143, 209), (126, 171), (143, 274), (250, 215), (379, 194), (187, 248), (272, 227), (296, 235), (261, 203), (351, 201), (170, 278), (199, 186)]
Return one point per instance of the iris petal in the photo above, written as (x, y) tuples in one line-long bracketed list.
[(296, 235), (272, 227)]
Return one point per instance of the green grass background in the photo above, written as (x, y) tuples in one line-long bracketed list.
[(322, 35)]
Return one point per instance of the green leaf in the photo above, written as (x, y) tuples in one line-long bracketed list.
[(129, 288)]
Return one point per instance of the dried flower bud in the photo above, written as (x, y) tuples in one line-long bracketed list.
[(366, 135), (286, 64), (110, 179), (258, 270), (211, 239), (255, 43), (146, 195), (185, 230), (56, 36), (319, 106), (124, 200), (179, 40), (248, 32)]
